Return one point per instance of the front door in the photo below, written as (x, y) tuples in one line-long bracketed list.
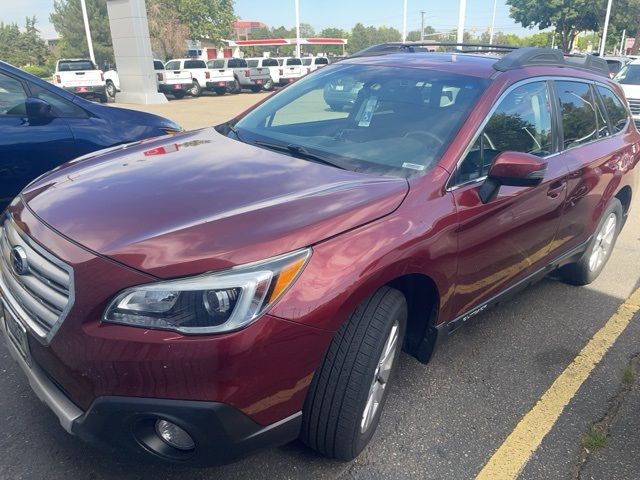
[(28, 147), (509, 238)]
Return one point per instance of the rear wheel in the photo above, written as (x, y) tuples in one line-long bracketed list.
[(179, 94), (235, 86), (111, 89), (196, 90), (349, 389), (268, 85), (590, 265), (103, 98), (256, 88), (220, 90)]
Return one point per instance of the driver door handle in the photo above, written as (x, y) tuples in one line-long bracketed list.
[(556, 189)]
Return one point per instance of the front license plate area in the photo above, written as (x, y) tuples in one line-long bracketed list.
[(16, 333)]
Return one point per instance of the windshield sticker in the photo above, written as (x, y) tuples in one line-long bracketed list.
[(367, 112), (413, 166)]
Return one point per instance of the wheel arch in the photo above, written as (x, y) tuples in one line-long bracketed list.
[(624, 196)]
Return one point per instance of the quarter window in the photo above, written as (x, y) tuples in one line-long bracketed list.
[(616, 110), (521, 123), (12, 96), (578, 110)]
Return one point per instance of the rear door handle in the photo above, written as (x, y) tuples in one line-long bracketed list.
[(556, 189)]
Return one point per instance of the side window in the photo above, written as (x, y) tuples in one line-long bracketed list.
[(59, 106), (218, 64), (601, 117), (12, 96), (578, 110), (618, 115), (174, 65), (521, 123)]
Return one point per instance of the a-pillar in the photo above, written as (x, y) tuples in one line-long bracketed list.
[(132, 49)]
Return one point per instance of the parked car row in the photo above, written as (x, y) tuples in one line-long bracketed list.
[(220, 76)]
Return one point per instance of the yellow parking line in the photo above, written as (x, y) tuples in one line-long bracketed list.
[(512, 456)]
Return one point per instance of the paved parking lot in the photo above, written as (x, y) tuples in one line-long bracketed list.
[(442, 420)]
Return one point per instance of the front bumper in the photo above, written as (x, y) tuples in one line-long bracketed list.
[(222, 434)]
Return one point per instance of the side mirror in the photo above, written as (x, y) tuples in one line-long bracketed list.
[(514, 169), (37, 108)]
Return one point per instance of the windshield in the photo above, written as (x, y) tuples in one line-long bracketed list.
[(629, 75), (293, 61), (386, 120), (194, 64)]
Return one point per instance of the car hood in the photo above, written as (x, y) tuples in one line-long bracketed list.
[(201, 201), (631, 91)]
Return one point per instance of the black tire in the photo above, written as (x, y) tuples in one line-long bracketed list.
[(111, 89), (268, 85), (196, 90), (332, 418), (336, 107), (103, 98), (583, 272), (235, 87), (256, 88), (220, 90), (179, 94)]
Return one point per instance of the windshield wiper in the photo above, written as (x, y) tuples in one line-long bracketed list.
[(298, 151)]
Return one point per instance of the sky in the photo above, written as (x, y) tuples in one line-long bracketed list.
[(324, 13)]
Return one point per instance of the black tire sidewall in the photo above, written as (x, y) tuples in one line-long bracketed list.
[(362, 439), (196, 90), (110, 87)]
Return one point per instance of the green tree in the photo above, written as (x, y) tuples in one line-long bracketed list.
[(168, 35), (9, 40), (23, 48), (414, 35), (569, 17), (68, 22), (210, 19), (362, 37)]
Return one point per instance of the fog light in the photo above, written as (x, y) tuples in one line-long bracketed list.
[(174, 436)]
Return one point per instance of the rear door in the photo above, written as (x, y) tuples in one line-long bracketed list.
[(593, 120), (28, 147), (511, 237)]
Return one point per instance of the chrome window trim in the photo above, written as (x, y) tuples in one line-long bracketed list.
[(23, 316), (546, 78)]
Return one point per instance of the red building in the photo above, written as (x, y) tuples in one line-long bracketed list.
[(242, 29)]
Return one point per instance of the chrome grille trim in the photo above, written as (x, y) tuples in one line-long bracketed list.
[(41, 297), (634, 105)]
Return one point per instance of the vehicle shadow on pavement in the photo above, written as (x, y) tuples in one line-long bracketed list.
[(442, 420)]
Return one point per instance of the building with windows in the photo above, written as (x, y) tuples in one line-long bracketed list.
[(242, 29)]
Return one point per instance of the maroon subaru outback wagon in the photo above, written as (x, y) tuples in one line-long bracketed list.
[(200, 296)]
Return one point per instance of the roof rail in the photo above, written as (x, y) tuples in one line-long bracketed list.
[(531, 56), (412, 47)]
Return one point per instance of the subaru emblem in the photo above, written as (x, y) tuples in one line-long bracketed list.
[(19, 261)]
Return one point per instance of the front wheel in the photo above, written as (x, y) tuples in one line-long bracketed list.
[(196, 90), (597, 254), (349, 389), (235, 87), (268, 85)]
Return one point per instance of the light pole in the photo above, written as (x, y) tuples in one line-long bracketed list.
[(422, 25), (493, 22), (603, 42), (404, 23), (297, 28), (461, 15), (87, 30)]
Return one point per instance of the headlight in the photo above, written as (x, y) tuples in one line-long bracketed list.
[(211, 303)]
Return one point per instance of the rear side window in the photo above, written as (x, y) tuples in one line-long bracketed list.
[(616, 110), (252, 63), (173, 65), (237, 63), (75, 65), (194, 64), (521, 123), (157, 65), (12, 96), (578, 110)]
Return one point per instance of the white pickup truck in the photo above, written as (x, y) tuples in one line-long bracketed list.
[(270, 63), (82, 77), (290, 70), (203, 78), (177, 83)]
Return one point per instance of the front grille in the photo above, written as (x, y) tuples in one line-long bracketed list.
[(634, 105), (42, 295)]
